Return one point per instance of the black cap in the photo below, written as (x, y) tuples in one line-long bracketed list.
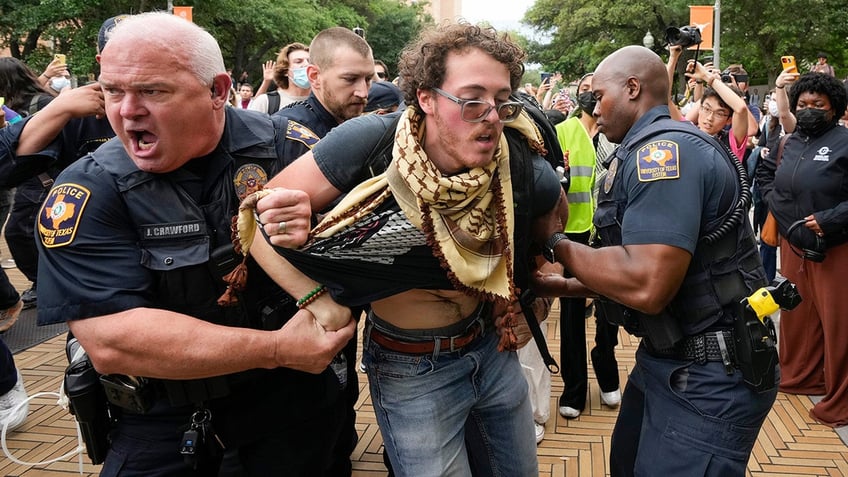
[(106, 30), (382, 95)]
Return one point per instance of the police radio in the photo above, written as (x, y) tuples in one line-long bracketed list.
[(754, 333)]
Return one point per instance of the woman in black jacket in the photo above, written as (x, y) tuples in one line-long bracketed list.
[(808, 195)]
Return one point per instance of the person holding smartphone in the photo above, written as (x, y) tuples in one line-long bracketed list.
[(720, 106)]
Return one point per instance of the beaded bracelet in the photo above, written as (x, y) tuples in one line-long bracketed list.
[(311, 296)]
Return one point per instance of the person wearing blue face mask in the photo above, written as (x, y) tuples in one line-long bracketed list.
[(289, 72)]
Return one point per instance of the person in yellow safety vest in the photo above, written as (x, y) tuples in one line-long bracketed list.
[(579, 139)]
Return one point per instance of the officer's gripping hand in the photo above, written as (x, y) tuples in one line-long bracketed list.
[(303, 344), (285, 215), (547, 279), (330, 314)]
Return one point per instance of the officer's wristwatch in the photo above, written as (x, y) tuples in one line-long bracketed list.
[(548, 249)]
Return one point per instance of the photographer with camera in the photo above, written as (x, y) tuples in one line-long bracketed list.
[(720, 106), (806, 189)]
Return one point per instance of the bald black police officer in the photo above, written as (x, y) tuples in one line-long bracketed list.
[(686, 409)]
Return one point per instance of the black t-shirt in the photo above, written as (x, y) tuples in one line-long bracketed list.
[(383, 254)]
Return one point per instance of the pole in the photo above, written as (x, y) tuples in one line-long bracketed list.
[(717, 33)]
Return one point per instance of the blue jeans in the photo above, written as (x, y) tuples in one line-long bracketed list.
[(768, 255), (424, 402), (683, 418)]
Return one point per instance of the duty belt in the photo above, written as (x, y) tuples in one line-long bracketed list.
[(445, 343), (708, 346)]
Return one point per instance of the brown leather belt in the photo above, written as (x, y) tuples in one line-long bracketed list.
[(449, 343)]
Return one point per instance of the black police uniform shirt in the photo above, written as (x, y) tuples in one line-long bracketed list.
[(308, 122), (342, 158), (91, 261), (677, 188)]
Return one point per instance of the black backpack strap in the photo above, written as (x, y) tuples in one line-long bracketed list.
[(33, 105), (526, 300), (546, 127), (523, 176), (273, 101)]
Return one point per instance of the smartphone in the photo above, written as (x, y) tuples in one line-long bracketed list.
[(788, 63), (61, 57), (545, 76)]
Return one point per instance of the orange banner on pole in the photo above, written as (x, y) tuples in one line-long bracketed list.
[(701, 16), (184, 12)]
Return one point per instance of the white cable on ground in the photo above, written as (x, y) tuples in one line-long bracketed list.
[(77, 451)]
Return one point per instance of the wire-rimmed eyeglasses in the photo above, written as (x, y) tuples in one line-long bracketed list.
[(475, 111)]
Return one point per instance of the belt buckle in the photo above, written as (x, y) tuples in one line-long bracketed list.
[(453, 344), (725, 353), (471, 332)]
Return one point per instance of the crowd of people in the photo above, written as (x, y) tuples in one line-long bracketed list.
[(213, 244)]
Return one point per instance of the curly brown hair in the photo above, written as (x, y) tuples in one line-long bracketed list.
[(281, 69), (422, 63)]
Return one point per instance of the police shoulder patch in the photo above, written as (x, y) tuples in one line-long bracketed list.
[(61, 213), (298, 132), (658, 160)]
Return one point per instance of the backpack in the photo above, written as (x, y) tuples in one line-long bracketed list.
[(521, 169), (273, 101)]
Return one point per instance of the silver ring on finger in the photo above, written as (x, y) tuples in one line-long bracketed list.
[(281, 228)]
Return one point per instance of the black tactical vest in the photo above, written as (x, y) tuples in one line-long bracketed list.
[(720, 274), (184, 234)]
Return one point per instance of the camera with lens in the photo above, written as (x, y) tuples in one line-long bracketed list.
[(684, 36), (726, 77)]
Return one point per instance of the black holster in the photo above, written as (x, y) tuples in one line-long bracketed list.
[(88, 404), (756, 349)]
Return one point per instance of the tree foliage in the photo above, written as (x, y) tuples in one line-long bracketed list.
[(583, 33), (759, 33), (755, 33), (250, 32)]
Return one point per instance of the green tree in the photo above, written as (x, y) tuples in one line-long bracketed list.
[(757, 34), (391, 26), (583, 33), (753, 32), (250, 32)]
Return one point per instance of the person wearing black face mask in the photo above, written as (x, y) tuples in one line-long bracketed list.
[(584, 149), (809, 183)]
